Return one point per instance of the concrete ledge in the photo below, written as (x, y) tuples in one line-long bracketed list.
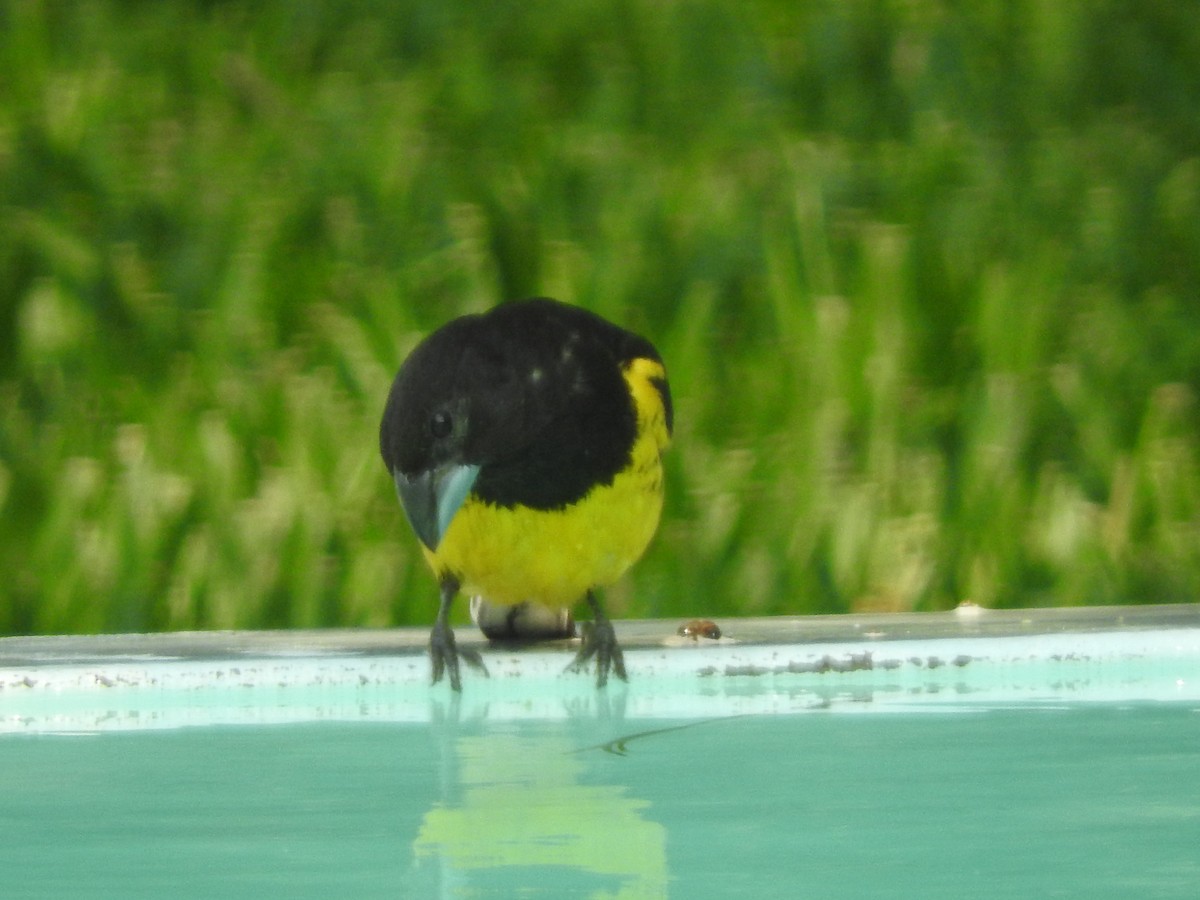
[(759, 665), (968, 622)]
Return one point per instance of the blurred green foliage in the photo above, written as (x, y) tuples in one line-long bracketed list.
[(926, 276)]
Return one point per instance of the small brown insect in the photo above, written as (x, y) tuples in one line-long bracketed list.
[(698, 628)]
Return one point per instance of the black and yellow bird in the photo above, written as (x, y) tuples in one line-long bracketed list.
[(526, 447)]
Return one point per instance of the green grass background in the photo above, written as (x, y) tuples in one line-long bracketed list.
[(926, 276)]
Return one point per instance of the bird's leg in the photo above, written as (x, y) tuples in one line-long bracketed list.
[(600, 641), (443, 653)]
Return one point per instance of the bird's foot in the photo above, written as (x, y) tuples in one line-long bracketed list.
[(444, 654), (600, 641)]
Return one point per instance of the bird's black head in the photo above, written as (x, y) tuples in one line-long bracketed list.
[(531, 393), (441, 389)]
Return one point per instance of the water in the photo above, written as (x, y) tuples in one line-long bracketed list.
[(996, 754), (1084, 800)]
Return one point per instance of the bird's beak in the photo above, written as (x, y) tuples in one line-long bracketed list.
[(432, 497)]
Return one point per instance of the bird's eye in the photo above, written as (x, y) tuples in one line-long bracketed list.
[(441, 423)]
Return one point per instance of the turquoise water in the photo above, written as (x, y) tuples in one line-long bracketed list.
[(1033, 799)]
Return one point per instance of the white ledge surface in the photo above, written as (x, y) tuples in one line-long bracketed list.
[(955, 661)]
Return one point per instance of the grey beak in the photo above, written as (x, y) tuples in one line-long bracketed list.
[(431, 498)]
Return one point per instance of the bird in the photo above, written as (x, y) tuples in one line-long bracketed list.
[(526, 446)]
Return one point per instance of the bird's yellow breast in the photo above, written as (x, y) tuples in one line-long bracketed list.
[(515, 554)]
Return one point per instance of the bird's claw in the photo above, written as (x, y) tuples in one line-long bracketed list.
[(600, 641), (444, 655)]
